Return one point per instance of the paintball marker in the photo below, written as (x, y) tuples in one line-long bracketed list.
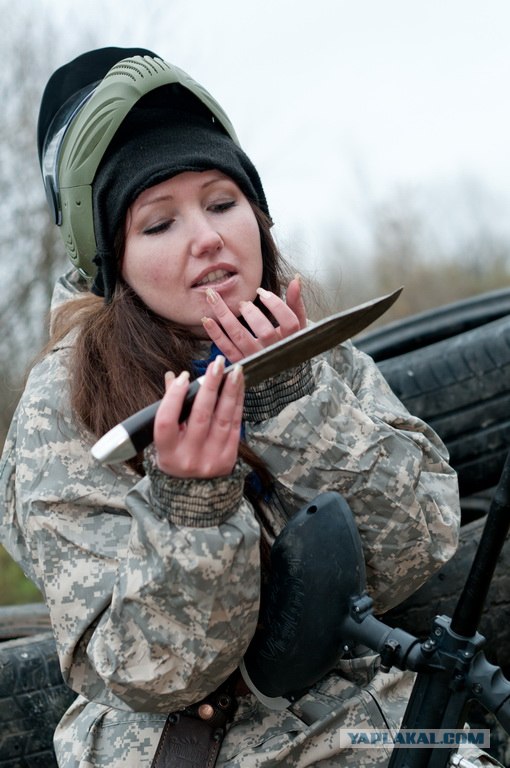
[(300, 637)]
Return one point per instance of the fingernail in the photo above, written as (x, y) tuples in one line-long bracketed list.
[(236, 373), (212, 296), (206, 321), (243, 304), (182, 378), (218, 365), (262, 292), (169, 377), (297, 277)]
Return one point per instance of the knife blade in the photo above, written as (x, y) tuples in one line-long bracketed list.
[(135, 433)]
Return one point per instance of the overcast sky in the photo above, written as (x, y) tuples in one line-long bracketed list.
[(339, 103)]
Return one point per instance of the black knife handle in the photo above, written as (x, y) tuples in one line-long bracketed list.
[(140, 426)]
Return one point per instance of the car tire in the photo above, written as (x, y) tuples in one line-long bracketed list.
[(461, 387), (33, 695), (424, 328)]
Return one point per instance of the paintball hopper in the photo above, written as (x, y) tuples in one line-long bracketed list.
[(316, 564), (316, 608)]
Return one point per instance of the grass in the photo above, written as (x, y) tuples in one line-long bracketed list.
[(15, 588)]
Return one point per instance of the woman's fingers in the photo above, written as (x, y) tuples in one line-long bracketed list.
[(199, 420), (229, 408), (214, 426), (207, 444), (222, 341), (288, 322), (295, 301), (235, 340), (240, 341), (166, 423)]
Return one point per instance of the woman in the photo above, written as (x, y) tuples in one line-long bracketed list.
[(152, 570)]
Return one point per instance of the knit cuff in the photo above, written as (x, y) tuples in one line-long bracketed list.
[(266, 400), (196, 502)]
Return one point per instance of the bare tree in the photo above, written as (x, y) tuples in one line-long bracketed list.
[(30, 252), (435, 265)]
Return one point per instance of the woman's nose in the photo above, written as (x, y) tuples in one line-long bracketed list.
[(205, 238)]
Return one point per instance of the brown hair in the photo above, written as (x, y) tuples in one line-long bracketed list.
[(123, 349)]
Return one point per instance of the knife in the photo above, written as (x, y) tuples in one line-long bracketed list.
[(135, 433)]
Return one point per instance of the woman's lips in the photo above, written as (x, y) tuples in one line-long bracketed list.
[(215, 277)]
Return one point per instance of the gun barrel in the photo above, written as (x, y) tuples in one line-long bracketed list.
[(468, 611)]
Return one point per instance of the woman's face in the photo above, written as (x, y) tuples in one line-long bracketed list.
[(190, 233)]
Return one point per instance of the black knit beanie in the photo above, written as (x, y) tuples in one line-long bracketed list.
[(155, 142)]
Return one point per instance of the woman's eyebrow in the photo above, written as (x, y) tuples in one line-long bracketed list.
[(168, 196), (158, 199)]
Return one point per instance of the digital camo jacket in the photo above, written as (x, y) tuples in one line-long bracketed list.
[(153, 583)]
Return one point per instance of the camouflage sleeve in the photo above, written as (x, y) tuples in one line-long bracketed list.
[(354, 436), (152, 601)]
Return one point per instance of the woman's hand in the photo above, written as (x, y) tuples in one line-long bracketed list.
[(235, 341), (206, 445)]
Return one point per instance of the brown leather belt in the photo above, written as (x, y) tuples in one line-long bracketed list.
[(193, 737)]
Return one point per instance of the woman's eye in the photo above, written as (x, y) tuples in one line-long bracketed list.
[(221, 207), (156, 229)]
